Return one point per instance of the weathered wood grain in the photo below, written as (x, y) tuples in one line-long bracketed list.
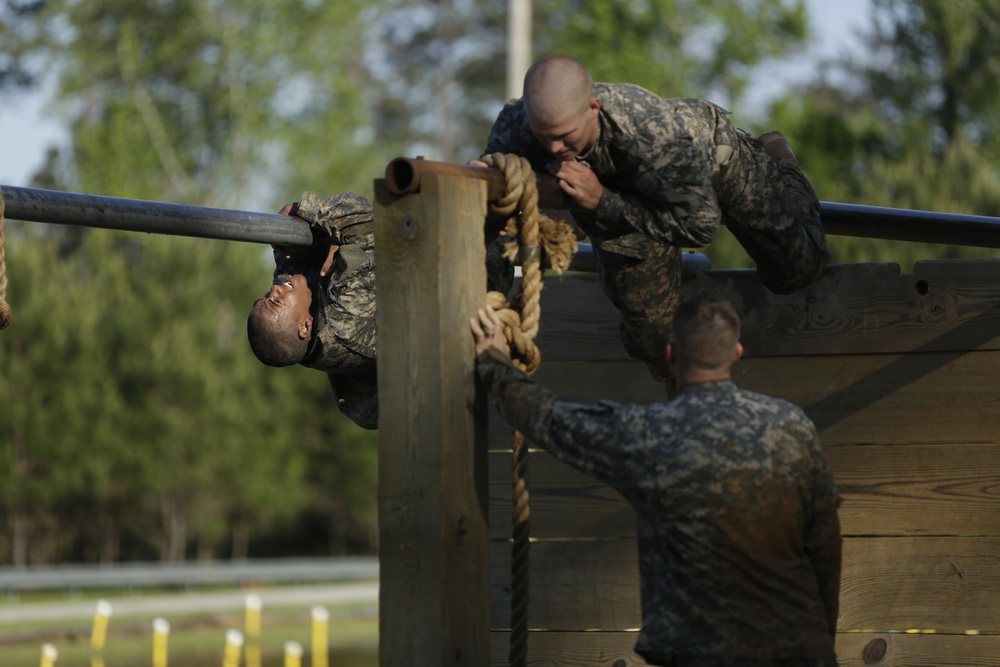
[(917, 650), (432, 479), (853, 309), (945, 584), (913, 398), (898, 490), (614, 649)]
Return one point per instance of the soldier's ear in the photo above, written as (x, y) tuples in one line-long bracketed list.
[(305, 327), (738, 352), (671, 353)]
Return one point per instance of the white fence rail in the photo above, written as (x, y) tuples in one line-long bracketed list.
[(188, 574)]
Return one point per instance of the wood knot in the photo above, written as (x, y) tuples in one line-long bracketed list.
[(408, 227), (874, 651)]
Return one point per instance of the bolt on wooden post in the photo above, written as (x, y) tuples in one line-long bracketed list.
[(433, 540)]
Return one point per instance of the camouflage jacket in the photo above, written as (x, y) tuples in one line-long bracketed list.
[(738, 535), (344, 337), (670, 167)]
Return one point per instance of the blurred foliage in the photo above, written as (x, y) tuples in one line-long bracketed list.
[(140, 426), (910, 122), (136, 424)]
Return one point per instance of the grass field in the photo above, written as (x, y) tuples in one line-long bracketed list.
[(195, 639)]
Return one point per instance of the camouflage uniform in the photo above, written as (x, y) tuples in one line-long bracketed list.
[(674, 169), (343, 343), (738, 536), (344, 339)]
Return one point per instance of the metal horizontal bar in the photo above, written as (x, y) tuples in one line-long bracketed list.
[(898, 224), (148, 575), (69, 208), (137, 215)]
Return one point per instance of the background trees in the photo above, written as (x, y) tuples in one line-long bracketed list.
[(134, 422)]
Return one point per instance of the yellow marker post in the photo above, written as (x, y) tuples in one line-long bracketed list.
[(49, 655), (99, 633), (161, 632), (320, 643), (234, 646), (252, 629), (293, 654)]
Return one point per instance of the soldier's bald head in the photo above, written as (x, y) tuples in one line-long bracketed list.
[(555, 88)]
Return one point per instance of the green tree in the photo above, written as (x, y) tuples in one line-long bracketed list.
[(675, 48), (438, 82), (914, 127), (939, 62), (179, 442), (194, 101)]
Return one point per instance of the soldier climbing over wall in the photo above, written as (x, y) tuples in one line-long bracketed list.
[(651, 175)]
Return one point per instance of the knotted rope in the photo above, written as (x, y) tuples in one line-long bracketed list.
[(530, 232), (4, 307)]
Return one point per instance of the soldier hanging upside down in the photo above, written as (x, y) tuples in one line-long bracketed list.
[(320, 309), (652, 175)]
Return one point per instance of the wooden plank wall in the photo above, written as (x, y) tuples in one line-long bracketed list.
[(901, 374)]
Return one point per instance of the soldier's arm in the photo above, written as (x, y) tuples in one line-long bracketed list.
[(591, 437), (339, 220), (675, 201)]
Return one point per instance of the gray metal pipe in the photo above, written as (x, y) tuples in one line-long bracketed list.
[(897, 224), (69, 208), (136, 215)]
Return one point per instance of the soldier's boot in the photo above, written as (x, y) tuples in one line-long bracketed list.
[(778, 148), (807, 242)]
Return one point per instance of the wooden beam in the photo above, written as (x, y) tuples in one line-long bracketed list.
[(946, 584), (433, 543), (854, 649), (887, 490)]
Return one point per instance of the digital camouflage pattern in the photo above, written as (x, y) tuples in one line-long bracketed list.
[(674, 170), (344, 337), (738, 537)]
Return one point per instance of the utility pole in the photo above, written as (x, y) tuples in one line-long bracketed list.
[(518, 45)]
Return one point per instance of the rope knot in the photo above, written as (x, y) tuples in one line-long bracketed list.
[(532, 233)]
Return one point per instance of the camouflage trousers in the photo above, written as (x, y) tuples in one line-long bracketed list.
[(775, 216), (643, 282)]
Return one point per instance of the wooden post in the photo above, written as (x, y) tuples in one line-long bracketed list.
[(433, 539)]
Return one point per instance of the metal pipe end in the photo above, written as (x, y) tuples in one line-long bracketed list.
[(401, 176)]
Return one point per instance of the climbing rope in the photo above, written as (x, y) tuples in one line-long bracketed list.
[(530, 232), (4, 307)]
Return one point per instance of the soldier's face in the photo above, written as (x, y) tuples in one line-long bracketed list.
[(289, 298), (571, 135)]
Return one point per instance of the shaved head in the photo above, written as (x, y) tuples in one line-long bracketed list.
[(561, 108), (705, 333), (556, 87), (274, 337)]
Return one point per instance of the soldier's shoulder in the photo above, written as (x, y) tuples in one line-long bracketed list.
[(350, 202), (779, 408), (625, 95)]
